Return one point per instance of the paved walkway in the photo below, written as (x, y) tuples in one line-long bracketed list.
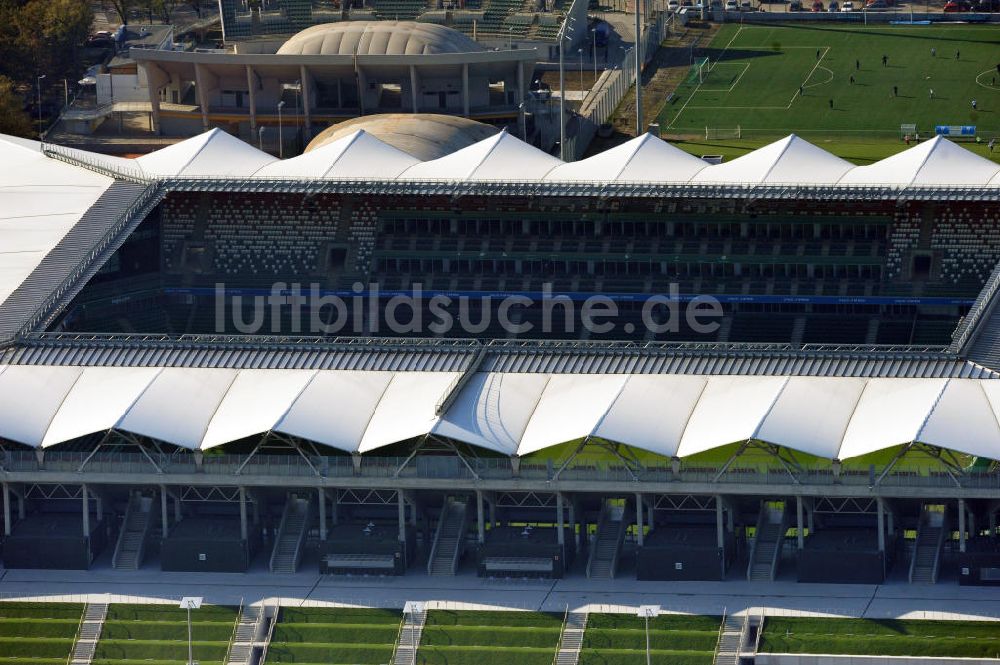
[(894, 600)]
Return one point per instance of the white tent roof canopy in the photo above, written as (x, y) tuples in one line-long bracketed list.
[(509, 413)]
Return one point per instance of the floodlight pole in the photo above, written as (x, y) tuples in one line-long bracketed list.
[(191, 649), (39, 86), (281, 147), (562, 95), (638, 70), (648, 655)]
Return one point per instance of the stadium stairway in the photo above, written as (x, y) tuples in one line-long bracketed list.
[(727, 652), (89, 633), (926, 561), (571, 640), (132, 538), (291, 534), (603, 561), (241, 648), (772, 523), (449, 541), (409, 635)]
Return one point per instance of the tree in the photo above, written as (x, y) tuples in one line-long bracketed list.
[(122, 8), (13, 119)]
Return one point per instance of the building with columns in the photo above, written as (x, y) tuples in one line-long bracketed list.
[(333, 72)]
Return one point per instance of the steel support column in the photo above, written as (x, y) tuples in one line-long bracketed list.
[(252, 94), (86, 511), (800, 538), (561, 535), (961, 525), (401, 507), (639, 535), (321, 494), (164, 511), (244, 529), (480, 527), (881, 524), (6, 509), (720, 536)]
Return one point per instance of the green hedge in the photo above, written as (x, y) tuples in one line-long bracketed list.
[(885, 627), (158, 650), (662, 622), (33, 661), (343, 633), (351, 615), (672, 640), (629, 657), (167, 631), (38, 627), (207, 613), (494, 618), (881, 645), (361, 654), (441, 655), (41, 610), (498, 635), (182, 661), (36, 647)]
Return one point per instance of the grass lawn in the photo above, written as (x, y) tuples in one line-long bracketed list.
[(611, 639), (157, 635), (489, 638), (37, 633), (334, 636), (755, 72), (969, 639)]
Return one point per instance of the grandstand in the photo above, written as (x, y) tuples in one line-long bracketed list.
[(854, 360)]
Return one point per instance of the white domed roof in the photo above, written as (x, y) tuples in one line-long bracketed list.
[(378, 38)]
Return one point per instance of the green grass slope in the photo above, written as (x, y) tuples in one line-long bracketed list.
[(489, 638), (157, 635), (620, 639), (37, 633), (334, 636)]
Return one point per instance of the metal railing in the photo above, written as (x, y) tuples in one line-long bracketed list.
[(232, 636), (718, 638), (982, 305), (562, 634), (223, 469)]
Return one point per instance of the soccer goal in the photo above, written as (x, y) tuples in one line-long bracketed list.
[(723, 132), (907, 130), (699, 70)]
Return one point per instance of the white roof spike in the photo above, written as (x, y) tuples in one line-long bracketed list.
[(934, 162), (358, 155), (642, 159), (790, 160), (500, 157), (214, 153)]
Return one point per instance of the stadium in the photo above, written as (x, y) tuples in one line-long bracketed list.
[(847, 393)]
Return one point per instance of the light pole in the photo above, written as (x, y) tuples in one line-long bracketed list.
[(281, 147), (298, 89), (510, 38), (190, 603), (593, 41), (562, 95), (579, 55), (524, 122), (260, 138), (647, 612), (638, 70), (39, 86)]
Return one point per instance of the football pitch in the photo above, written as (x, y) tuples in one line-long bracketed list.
[(825, 81)]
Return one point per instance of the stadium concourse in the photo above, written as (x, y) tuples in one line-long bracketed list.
[(840, 424)]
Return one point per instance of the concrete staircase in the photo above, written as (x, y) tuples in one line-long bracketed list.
[(241, 649), (770, 538), (449, 541), (132, 538), (409, 636), (926, 559), (288, 547), (603, 561), (727, 651), (571, 641), (89, 633)]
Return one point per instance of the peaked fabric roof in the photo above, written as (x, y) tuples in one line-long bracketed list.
[(40, 201), (500, 157), (511, 413), (357, 155), (934, 162), (642, 159), (212, 154), (790, 160)]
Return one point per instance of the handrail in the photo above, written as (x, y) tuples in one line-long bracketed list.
[(760, 629), (756, 538), (76, 638), (916, 544), (281, 530), (743, 632), (437, 534), (718, 638), (780, 545), (945, 528), (399, 638), (232, 636), (270, 631), (123, 531), (597, 536), (562, 633), (460, 545), (303, 534), (971, 320)]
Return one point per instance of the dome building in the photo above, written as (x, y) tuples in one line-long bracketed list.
[(335, 71)]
